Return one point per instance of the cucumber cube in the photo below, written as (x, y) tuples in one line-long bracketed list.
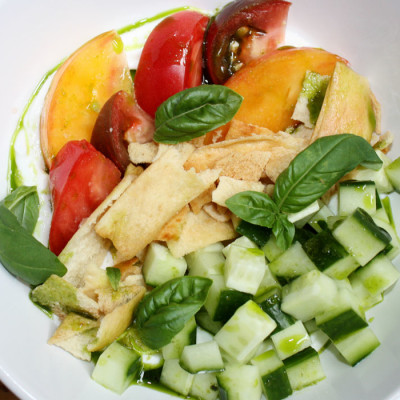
[(271, 250), (361, 237), (354, 194), (240, 382), (207, 261), (274, 378), (321, 215), (291, 340), (202, 357), (205, 386), (117, 368), (235, 337), (357, 345), (244, 268), (241, 241), (304, 369), (292, 263), (302, 217), (174, 377), (309, 295), (268, 282), (393, 173), (160, 265)]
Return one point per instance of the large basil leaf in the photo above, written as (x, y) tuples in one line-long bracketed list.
[(165, 310), (317, 168), (22, 255), (23, 202), (194, 112)]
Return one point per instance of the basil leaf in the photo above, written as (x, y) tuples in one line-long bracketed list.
[(22, 255), (194, 112), (254, 207), (165, 310), (317, 168), (284, 231), (257, 234), (114, 276), (23, 202)]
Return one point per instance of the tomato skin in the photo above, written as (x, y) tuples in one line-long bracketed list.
[(119, 119), (266, 17), (171, 59), (80, 179)]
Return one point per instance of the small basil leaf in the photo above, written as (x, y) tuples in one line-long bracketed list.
[(317, 168), (114, 276), (22, 255), (165, 310), (284, 232), (194, 112), (254, 207), (23, 202)]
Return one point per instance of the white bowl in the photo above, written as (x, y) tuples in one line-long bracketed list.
[(36, 35)]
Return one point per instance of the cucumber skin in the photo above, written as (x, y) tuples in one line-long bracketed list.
[(276, 385), (229, 301)]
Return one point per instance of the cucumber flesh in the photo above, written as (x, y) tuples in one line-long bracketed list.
[(174, 377), (393, 173), (354, 194), (205, 386)]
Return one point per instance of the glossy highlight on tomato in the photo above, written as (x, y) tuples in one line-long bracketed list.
[(80, 179), (242, 31), (171, 59)]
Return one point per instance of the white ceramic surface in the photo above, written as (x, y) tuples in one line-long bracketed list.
[(35, 35)]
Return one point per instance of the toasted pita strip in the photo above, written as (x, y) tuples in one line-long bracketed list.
[(158, 194), (206, 197), (142, 153), (173, 228), (86, 248), (280, 160), (228, 187), (239, 129), (114, 323), (199, 231), (220, 214)]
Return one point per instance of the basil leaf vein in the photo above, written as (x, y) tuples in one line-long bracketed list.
[(166, 309), (194, 112), (22, 255), (317, 168), (23, 202)]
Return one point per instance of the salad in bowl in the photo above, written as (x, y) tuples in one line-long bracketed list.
[(205, 207)]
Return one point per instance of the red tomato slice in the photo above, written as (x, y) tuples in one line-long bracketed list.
[(80, 179), (243, 31), (171, 59)]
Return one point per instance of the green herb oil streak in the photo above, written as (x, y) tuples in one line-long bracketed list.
[(13, 175)]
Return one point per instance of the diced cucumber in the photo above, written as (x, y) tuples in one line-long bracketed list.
[(380, 177), (268, 282), (270, 303), (361, 237), (274, 379), (205, 321), (330, 256), (393, 251), (244, 268), (271, 250), (366, 299), (357, 345), (117, 368), (240, 382), (291, 340), (309, 295), (207, 261), (241, 241), (235, 337), (292, 263), (393, 173), (257, 234), (174, 377), (160, 265), (304, 369), (185, 337), (202, 357), (302, 217), (222, 301), (321, 215), (377, 276), (320, 340), (354, 194), (205, 387)]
